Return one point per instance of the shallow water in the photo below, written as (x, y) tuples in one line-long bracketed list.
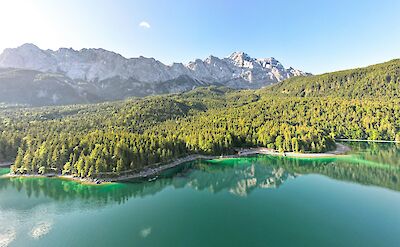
[(257, 201)]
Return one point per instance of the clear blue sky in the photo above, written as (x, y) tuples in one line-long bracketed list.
[(313, 35)]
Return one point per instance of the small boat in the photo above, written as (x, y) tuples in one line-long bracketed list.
[(152, 179)]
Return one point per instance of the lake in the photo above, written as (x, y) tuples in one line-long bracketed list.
[(255, 201)]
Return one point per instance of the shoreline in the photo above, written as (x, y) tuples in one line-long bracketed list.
[(366, 140), (149, 172), (340, 150), (85, 181)]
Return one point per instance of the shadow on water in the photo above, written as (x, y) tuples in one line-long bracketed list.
[(369, 164)]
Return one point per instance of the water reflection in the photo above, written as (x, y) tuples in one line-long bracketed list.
[(238, 176), (382, 153), (47, 209), (371, 164), (41, 229), (7, 236)]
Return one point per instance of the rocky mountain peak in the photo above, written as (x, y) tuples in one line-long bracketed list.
[(107, 72), (240, 58), (27, 56), (240, 55), (29, 46)]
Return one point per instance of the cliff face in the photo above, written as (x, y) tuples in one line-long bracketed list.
[(98, 74)]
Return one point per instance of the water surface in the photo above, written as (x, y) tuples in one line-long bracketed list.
[(257, 201)]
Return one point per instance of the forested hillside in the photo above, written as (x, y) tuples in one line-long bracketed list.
[(381, 80), (88, 140)]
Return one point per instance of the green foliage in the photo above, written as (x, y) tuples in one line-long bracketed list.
[(109, 138), (381, 80)]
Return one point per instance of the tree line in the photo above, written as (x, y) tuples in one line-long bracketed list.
[(91, 140)]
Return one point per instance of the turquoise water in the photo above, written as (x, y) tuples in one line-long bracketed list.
[(4, 171), (258, 201)]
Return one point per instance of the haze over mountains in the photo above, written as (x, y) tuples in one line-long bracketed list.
[(32, 76)]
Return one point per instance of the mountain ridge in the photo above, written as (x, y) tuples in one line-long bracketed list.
[(111, 76), (68, 60), (378, 80)]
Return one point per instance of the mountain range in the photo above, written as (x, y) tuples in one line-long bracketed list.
[(32, 76)]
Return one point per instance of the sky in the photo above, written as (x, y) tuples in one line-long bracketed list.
[(316, 36)]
